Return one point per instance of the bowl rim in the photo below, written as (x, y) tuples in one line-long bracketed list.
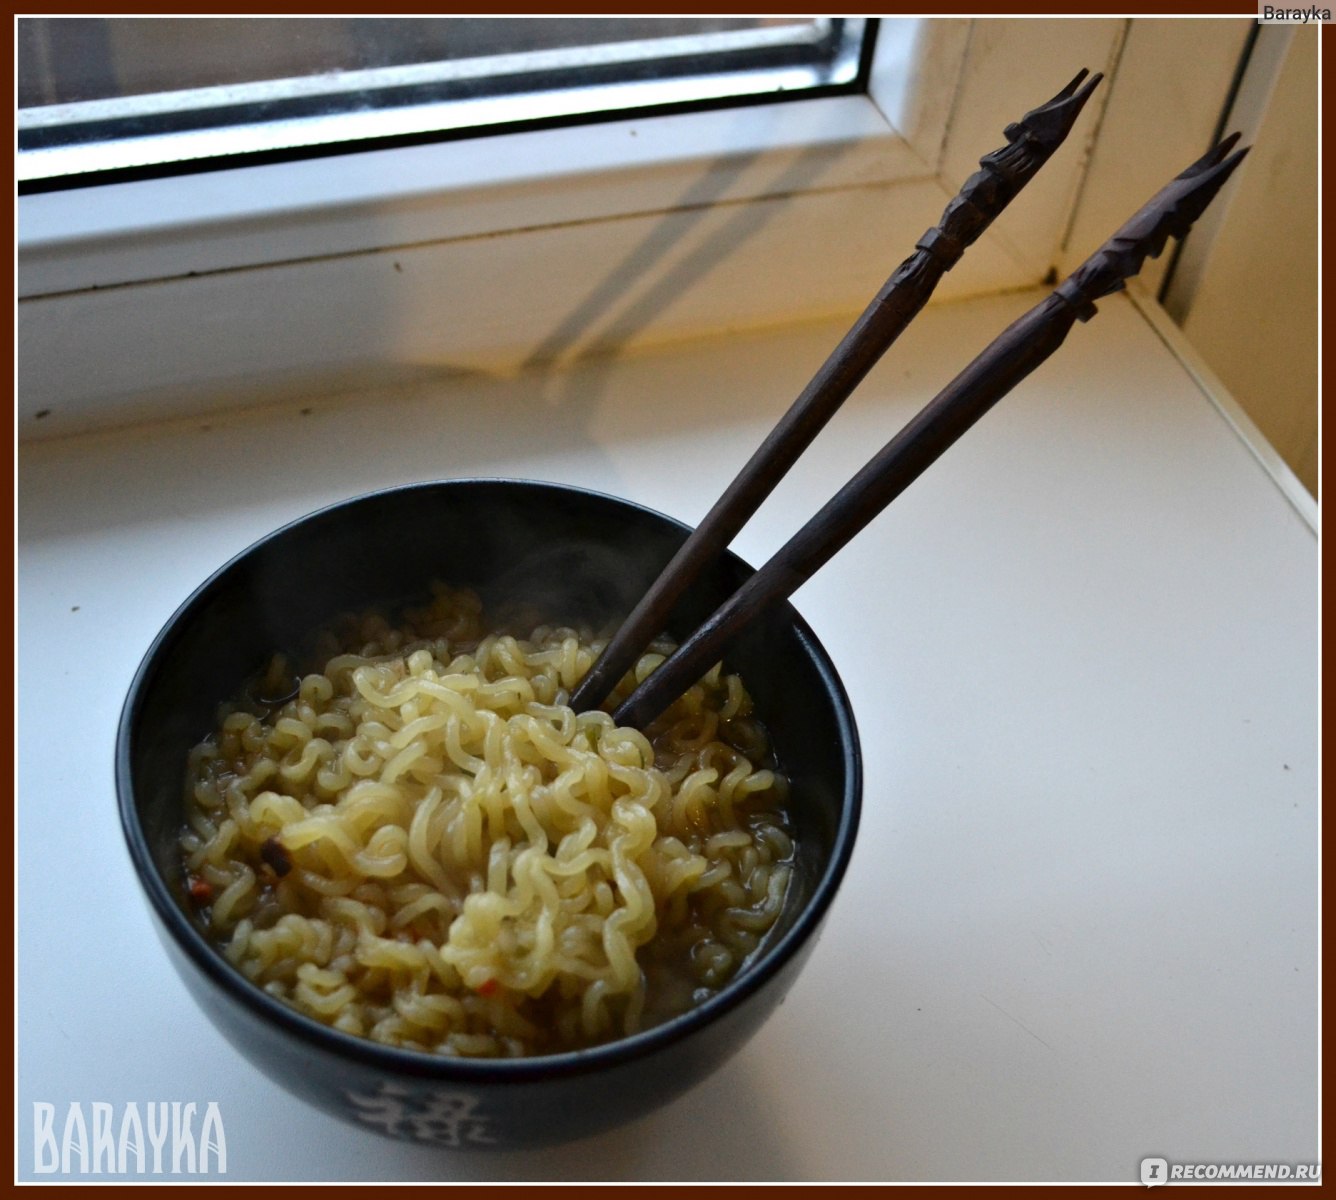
[(425, 1065)]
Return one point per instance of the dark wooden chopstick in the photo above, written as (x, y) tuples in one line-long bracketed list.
[(1001, 176), (1020, 348)]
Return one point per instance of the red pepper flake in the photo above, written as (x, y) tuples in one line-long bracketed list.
[(487, 987), (201, 890)]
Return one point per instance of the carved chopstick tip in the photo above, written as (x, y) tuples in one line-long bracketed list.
[(1075, 83)]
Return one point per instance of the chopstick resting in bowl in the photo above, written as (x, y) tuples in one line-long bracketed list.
[(1017, 351), (1001, 176)]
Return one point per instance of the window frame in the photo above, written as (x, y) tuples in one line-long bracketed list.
[(111, 234)]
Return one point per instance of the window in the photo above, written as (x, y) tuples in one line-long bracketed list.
[(116, 98), (221, 287)]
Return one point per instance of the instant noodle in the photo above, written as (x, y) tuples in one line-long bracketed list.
[(420, 843)]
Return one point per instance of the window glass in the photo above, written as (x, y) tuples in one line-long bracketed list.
[(150, 95)]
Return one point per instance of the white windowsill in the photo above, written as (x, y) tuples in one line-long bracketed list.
[(1082, 651)]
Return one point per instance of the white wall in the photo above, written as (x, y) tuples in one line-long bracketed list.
[(1246, 289)]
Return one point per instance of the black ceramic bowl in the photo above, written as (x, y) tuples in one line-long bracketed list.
[(579, 555)]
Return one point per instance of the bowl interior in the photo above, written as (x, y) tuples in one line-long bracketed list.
[(578, 556)]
